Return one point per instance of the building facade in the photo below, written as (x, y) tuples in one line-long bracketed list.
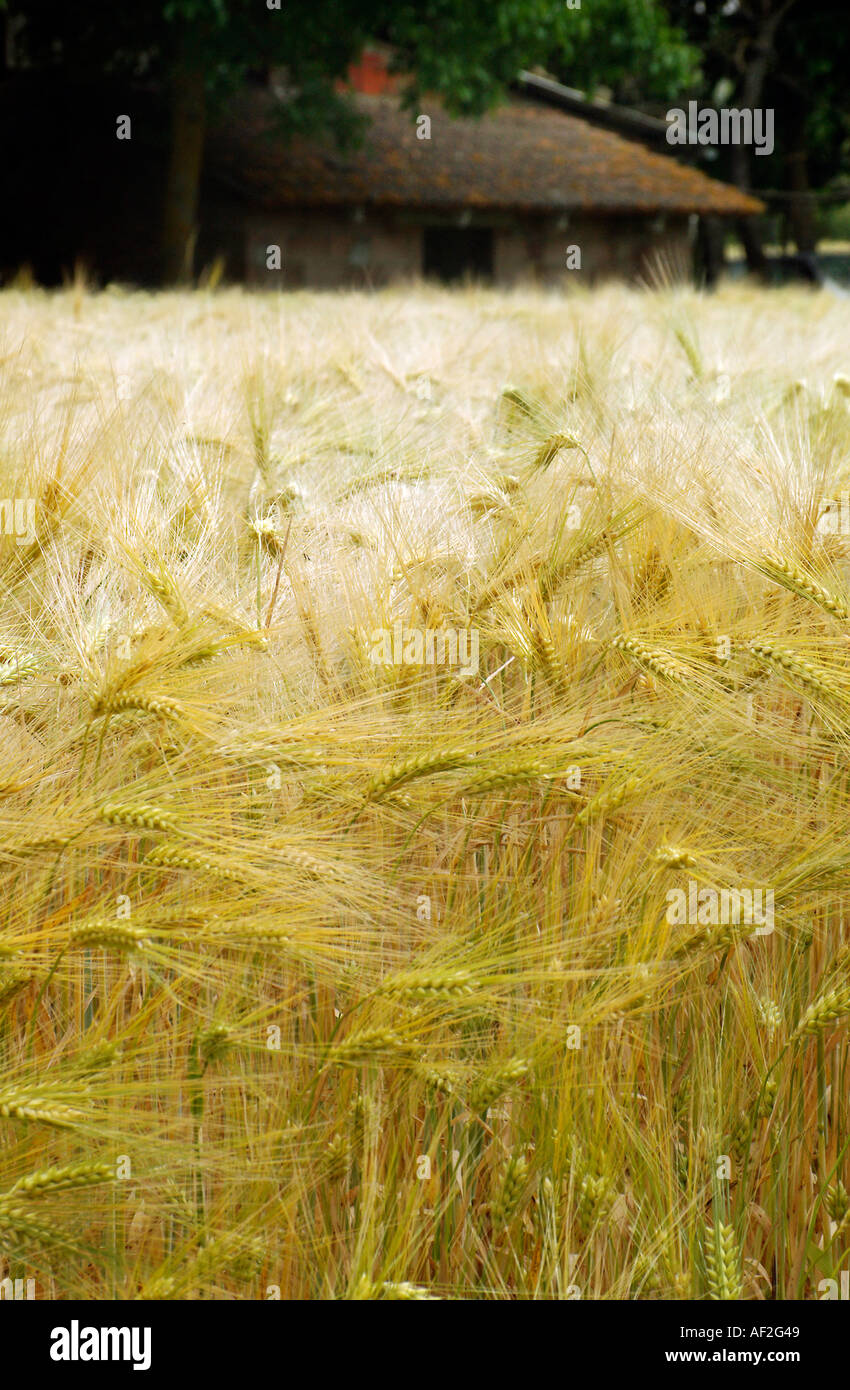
[(528, 192)]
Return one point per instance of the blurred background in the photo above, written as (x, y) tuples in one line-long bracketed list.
[(344, 142)]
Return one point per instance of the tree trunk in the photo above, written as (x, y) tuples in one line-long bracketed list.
[(801, 209), (801, 205), (749, 229), (709, 252), (755, 74), (188, 122)]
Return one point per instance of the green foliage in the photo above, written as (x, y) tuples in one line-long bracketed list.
[(466, 52), (628, 46), (808, 47)]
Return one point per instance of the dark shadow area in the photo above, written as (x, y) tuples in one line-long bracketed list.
[(450, 254)]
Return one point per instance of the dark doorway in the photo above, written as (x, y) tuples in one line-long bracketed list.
[(453, 253)]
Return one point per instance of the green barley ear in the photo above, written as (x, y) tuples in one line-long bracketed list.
[(686, 336), (215, 1042), (547, 657), (425, 765), (646, 1275), (708, 938), (769, 1013), (364, 1118), (45, 844), (510, 775), (594, 1199), (97, 1058), (20, 668), (438, 1082), (160, 1287), (769, 1093), (108, 936), (823, 1011), (176, 857), (48, 1181), (837, 1202), (43, 1104), (337, 1158), (511, 1192), (722, 1262), (366, 1290), (138, 817), (12, 983), (429, 984), (408, 1292), (490, 1087), (516, 403), (682, 1284), (651, 582), (607, 801), (235, 627), (366, 1045), (22, 1230)]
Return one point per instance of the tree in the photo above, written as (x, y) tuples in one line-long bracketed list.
[(468, 53), (789, 56), (630, 47)]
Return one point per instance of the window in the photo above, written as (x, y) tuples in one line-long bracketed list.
[(453, 253)]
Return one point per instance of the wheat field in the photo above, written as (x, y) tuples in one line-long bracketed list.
[(424, 801)]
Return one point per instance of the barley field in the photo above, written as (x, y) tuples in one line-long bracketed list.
[(424, 801)]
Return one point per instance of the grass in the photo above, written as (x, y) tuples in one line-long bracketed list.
[(322, 977)]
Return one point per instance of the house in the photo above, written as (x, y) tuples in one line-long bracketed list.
[(529, 191)]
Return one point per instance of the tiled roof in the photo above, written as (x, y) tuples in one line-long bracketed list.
[(520, 156)]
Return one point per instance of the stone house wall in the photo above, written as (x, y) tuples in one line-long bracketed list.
[(350, 247)]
